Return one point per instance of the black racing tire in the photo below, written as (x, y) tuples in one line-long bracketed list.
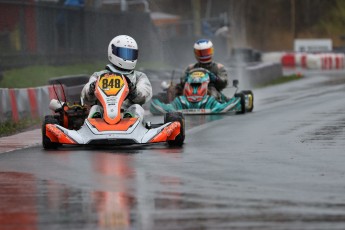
[(46, 142), (243, 103), (249, 92), (176, 116)]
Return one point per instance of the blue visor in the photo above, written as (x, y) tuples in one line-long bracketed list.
[(125, 53)]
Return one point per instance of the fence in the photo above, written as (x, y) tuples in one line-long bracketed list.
[(37, 33)]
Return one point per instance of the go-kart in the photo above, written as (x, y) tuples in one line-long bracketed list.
[(106, 123), (196, 100)]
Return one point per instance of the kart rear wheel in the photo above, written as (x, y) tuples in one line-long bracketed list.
[(176, 116), (243, 103), (46, 142), (250, 94)]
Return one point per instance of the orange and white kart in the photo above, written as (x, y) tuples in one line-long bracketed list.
[(72, 125)]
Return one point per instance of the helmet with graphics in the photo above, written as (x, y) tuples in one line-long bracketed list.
[(203, 50)]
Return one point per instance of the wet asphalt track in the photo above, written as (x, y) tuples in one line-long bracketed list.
[(280, 167)]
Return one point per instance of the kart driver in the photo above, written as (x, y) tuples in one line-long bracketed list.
[(203, 51), (122, 55)]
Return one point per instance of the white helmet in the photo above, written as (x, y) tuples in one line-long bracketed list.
[(123, 52), (203, 50)]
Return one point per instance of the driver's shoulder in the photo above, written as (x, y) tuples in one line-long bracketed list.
[(138, 73), (101, 72), (191, 66), (219, 65)]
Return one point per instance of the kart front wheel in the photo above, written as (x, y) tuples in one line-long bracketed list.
[(242, 102), (172, 117), (46, 142), (249, 100)]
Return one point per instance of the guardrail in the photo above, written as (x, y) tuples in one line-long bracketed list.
[(74, 84), (17, 104), (253, 75), (313, 61)]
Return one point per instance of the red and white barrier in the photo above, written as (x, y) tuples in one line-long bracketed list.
[(17, 104), (272, 57), (326, 61), (322, 61), (288, 60)]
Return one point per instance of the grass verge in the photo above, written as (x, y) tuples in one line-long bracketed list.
[(34, 76), (9, 127), (281, 80)]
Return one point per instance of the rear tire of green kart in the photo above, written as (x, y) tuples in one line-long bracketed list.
[(172, 117), (249, 92), (243, 103), (46, 142)]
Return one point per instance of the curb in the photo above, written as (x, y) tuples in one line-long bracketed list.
[(20, 141)]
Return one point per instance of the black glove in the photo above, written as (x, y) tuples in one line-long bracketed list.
[(132, 89), (92, 88), (213, 77)]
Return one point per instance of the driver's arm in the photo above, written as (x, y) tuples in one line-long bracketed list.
[(87, 93), (143, 89), (222, 77)]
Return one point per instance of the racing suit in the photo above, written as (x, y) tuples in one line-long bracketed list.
[(215, 85), (140, 89)]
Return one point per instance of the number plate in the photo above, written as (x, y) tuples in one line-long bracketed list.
[(198, 74), (111, 84), (196, 111)]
